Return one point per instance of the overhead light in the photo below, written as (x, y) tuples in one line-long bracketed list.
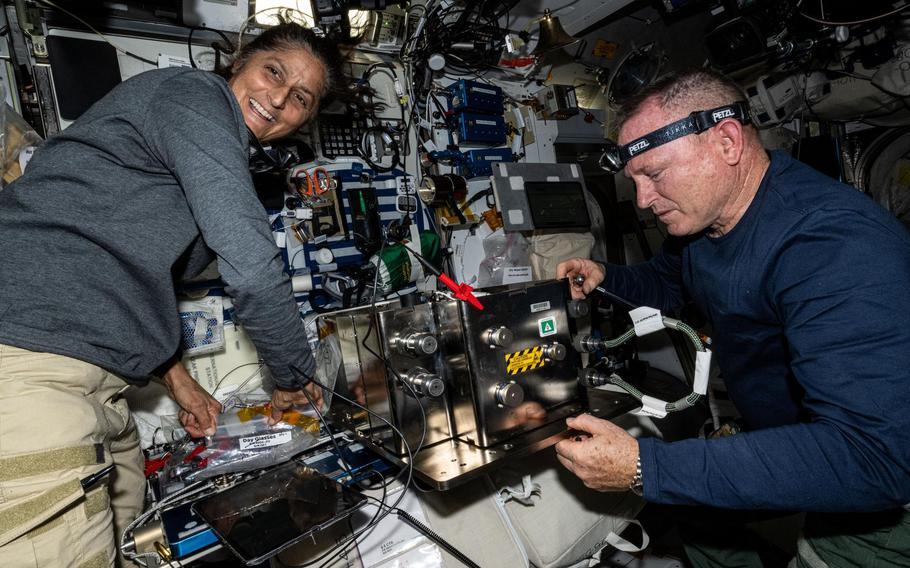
[(359, 19)]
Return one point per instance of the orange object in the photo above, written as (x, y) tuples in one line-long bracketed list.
[(313, 184), (292, 417)]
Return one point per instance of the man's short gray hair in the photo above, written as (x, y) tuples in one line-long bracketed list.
[(682, 92)]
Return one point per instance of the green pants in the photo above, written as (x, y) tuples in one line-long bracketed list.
[(828, 540)]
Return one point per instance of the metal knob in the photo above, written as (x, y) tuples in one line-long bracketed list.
[(592, 378), (509, 394), (498, 336), (577, 308), (425, 383), (555, 352), (585, 344), (418, 344)]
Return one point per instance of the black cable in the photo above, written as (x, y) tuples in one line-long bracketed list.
[(409, 520), (92, 28), (385, 361), (325, 424), (363, 153), (409, 469), (480, 195), (428, 532), (294, 257), (615, 298), (215, 46), (423, 415), (353, 543)]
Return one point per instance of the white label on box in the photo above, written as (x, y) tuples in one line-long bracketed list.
[(390, 541), (646, 320), (540, 307), (165, 60), (516, 274), (280, 239), (486, 122), (653, 407), (516, 217), (265, 440), (517, 183)]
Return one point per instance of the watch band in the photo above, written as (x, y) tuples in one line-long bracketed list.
[(636, 486)]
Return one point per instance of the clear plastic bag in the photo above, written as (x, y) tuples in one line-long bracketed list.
[(17, 142), (507, 260), (244, 441)]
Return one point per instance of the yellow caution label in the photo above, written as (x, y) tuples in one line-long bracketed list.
[(525, 360)]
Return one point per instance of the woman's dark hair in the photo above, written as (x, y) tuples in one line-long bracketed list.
[(290, 35)]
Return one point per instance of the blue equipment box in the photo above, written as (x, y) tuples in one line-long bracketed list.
[(472, 96), (474, 128), (479, 163), (186, 534)]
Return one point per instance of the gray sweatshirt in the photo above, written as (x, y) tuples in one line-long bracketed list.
[(138, 193)]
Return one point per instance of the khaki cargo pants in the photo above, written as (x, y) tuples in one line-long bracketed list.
[(61, 420)]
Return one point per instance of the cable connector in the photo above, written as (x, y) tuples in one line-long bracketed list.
[(460, 291)]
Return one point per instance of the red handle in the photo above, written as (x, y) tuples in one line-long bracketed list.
[(461, 291)]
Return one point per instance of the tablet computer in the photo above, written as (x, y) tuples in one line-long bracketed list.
[(260, 517)]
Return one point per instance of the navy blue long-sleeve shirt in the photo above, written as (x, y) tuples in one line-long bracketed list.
[(809, 300)]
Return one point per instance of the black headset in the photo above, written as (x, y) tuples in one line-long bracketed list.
[(266, 159)]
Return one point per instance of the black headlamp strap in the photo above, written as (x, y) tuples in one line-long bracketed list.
[(657, 138), (695, 123)]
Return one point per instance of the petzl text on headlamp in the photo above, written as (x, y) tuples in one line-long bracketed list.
[(615, 157)]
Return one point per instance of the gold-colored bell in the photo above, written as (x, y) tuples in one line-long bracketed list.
[(551, 35)]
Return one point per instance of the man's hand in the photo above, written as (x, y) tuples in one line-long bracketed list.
[(606, 460), (199, 410), (593, 273), (285, 399)]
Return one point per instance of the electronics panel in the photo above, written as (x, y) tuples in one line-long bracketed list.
[(541, 196)]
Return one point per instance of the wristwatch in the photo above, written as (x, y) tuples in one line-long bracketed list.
[(636, 485)]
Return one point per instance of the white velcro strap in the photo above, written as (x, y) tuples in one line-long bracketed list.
[(702, 371), (646, 320), (523, 495), (653, 407), (619, 543)]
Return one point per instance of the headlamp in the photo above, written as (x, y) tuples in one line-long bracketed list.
[(615, 157)]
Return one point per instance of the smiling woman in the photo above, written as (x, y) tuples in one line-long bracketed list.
[(282, 77), (162, 188)]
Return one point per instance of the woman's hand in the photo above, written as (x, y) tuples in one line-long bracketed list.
[(199, 410), (283, 399)]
